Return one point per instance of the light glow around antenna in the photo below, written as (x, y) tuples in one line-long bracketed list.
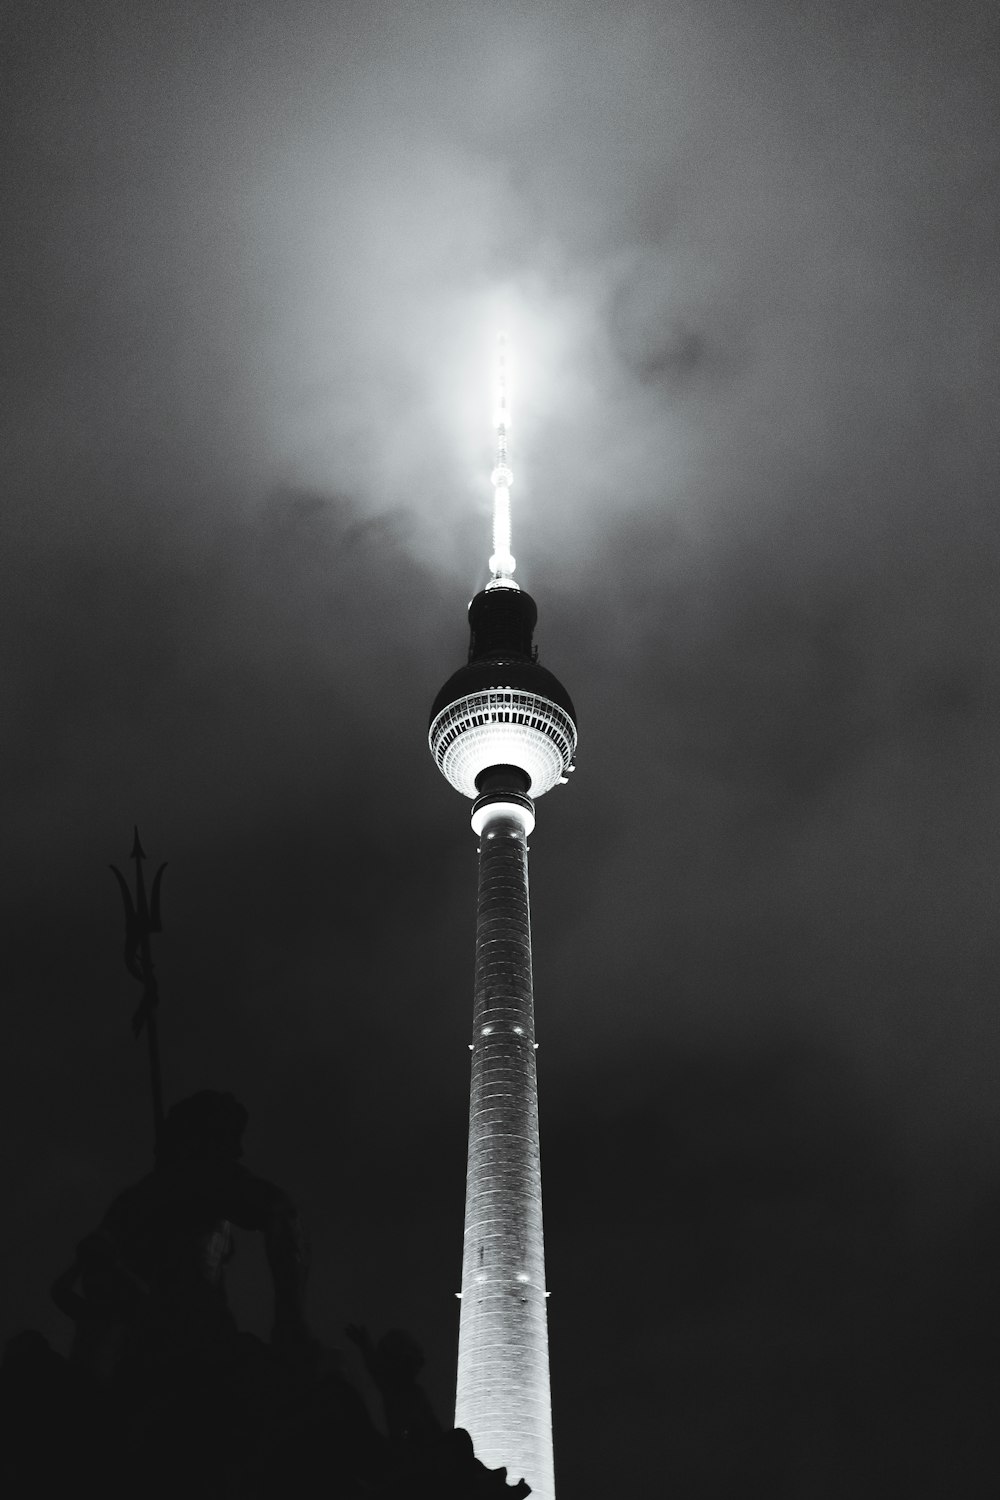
[(502, 562)]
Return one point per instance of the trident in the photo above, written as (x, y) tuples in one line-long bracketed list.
[(142, 919)]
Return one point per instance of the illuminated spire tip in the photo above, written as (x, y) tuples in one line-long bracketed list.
[(502, 562)]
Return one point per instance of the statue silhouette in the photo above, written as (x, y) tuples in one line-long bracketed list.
[(151, 1277), (162, 1391)]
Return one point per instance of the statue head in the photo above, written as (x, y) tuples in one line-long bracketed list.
[(206, 1126), (400, 1355)]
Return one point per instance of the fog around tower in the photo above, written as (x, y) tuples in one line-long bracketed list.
[(257, 256)]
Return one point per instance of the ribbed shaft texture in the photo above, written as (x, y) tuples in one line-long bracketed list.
[(503, 1355)]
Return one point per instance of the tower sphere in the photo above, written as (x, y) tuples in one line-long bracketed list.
[(502, 708)]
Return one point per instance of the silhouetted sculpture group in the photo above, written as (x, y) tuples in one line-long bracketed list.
[(163, 1395)]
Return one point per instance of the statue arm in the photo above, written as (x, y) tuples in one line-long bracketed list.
[(65, 1296), (262, 1206)]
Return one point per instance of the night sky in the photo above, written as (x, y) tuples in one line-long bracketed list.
[(255, 256)]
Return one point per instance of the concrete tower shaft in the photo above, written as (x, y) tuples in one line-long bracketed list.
[(503, 1362)]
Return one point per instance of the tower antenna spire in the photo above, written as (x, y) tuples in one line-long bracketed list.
[(502, 562)]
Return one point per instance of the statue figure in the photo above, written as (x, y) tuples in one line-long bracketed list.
[(394, 1364), (426, 1460), (166, 1393), (150, 1278)]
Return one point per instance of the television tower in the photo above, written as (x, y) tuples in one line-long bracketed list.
[(503, 732)]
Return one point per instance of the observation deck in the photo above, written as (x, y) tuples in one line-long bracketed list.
[(502, 708)]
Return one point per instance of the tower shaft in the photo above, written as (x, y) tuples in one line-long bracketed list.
[(503, 1365)]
